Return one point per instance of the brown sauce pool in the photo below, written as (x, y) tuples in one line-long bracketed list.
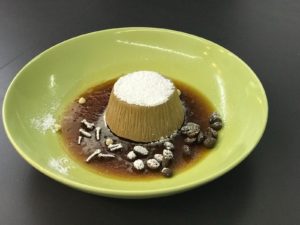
[(198, 109)]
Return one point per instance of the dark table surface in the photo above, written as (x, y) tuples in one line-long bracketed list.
[(264, 189)]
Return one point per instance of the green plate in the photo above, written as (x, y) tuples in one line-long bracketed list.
[(47, 84)]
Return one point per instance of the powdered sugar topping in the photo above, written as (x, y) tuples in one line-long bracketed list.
[(144, 88)]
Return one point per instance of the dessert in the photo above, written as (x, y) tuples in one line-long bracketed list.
[(143, 107), (94, 130)]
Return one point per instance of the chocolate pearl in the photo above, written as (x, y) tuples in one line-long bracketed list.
[(152, 164), (215, 117), (165, 162), (190, 129), (189, 140), (167, 172), (186, 150), (217, 125), (168, 145), (138, 164), (200, 137), (211, 132), (210, 142), (168, 154)]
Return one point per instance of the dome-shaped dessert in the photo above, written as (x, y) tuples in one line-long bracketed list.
[(144, 106)]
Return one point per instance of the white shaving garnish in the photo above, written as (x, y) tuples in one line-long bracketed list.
[(96, 152), (98, 130), (79, 139), (101, 155), (114, 147), (85, 133), (144, 88), (88, 125)]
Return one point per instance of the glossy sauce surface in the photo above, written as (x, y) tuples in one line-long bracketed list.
[(198, 110)]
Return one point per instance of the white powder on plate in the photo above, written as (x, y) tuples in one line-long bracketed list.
[(62, 165), (144, 88), (44, 123)]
